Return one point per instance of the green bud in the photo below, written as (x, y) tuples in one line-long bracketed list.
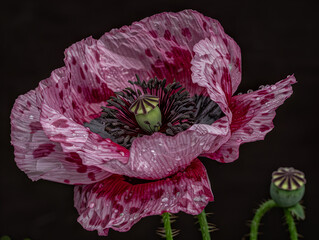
[(287, 186), (147, 113)]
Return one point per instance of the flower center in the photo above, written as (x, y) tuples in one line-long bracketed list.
[(147, 113), (149, 107)]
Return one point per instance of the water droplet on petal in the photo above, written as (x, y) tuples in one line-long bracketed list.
[(257, 98), (261, 87), (178, 158), (239, 93), (122, 153), (31, 117), (250, 91), (273, 87), (165, 199), (92, 205)]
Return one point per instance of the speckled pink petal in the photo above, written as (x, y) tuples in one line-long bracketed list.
[(116, 203), (41, 158), (162, 46), (64, 115), (253, 115), (210, 67), (158, 156)]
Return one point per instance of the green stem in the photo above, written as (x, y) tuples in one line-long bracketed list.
[(291, 225), (265, 207), (203, 225), (167, 226)]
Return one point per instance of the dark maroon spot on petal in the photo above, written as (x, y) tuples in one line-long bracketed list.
[(97, 56), (98, 80), (66, 85), (63, 109), (74, 158), (133, 210), (148, 53), (67, 144), (43, 150), (257, 121), (57, 85), (264, 128), (74, 105), (264, 101), (59, 136), (61, 123), (73, 60), (61, 95), (66, 181), (159, 193), (265, 114), (105, 221), (230, 150), (35, 126), (118, 207), (82, 169), (79, 89), (82, 74), (94, 219), (85, 67), (91, 175), (153, 33), (248, 130), (167, 35), (225, 41), (270, 96), (237, 64), (186, 33), (28, 103)]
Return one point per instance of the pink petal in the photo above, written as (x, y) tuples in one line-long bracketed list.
[(118, 204), (162, 46), (158, 156), (253, 114), (41, 158), (211, 70), (60, 117)]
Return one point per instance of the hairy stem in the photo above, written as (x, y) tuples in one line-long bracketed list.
[(291, 225), (167, 226), (203, 225), (265, 207)]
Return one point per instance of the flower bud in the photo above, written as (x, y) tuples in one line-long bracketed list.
[(147, 113), (287, 186)]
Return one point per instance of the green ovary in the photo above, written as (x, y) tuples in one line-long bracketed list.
[(151, 121)]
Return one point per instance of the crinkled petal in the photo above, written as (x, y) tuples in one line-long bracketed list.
[(117, 204), (253, 115), (158, 156), (41, 158), (210, 67), (64, 115), (162, 46)]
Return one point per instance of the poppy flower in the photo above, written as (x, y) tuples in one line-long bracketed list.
[(166, 86)]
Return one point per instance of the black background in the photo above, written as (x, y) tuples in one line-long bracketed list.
[(276, 38)]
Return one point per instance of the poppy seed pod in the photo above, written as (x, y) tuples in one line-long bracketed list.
[(287, 186)]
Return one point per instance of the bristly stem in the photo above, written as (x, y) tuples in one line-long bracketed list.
[(203, 225), (167, 226), (265, 207), (291, 225)]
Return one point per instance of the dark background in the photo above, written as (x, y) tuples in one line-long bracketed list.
[(276, 38)]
